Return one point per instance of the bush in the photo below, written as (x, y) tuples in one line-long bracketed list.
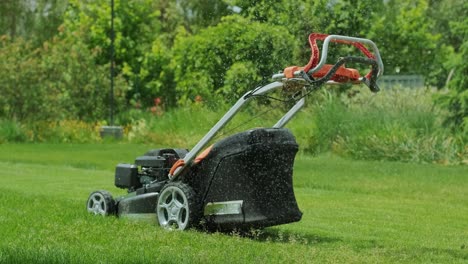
[(185, 126), (66, 131), (182, 127), (456, 99), (395, 124), (401, 147), (11, 131), (206, 64), (58, 81)]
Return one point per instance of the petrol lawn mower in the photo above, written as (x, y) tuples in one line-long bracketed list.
[(244, 180)]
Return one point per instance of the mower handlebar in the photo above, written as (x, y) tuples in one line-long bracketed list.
[(370, 79), (357, 42), (314, 65)]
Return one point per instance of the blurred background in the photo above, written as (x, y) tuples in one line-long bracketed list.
[(180, 63)]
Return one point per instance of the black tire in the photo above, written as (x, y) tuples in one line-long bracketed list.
[(177, 207), (101, 203)]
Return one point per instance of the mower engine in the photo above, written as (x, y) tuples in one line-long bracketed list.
[(152, 167)]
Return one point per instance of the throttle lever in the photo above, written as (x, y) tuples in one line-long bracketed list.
[(370, 80), (371, 84)]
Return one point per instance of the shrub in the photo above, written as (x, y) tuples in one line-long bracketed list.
[(65, 131), (181, 127), (401, 147), (57, 81), (12, 131), (395, 124), (206, 64)]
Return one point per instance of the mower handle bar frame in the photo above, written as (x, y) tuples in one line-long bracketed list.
[(345, 40)]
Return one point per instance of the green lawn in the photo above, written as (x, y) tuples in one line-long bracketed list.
[(354, 212)]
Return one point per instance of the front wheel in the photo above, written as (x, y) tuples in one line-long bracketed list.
[(177, 207), (100, 203)]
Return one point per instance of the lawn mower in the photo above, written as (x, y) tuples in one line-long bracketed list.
[(244, 180)]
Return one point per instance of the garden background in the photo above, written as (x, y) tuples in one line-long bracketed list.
[(180, 64)]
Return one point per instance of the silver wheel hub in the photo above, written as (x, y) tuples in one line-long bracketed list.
[(97, 204), (172, 209)]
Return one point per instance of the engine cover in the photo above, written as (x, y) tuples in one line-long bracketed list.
[(126, 176)]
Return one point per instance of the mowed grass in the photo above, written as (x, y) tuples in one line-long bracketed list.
[(354, 212)]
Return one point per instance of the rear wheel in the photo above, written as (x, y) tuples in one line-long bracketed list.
[(100, 203), (177, 207)]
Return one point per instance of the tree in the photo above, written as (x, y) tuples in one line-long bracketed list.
[(456, 100), (300, 18), (59, 80), (202, 62), (137, 24), (352, 17), (201, 14), (446, 14), (156, 76), (10, 14), (32, 20), (406, 41)]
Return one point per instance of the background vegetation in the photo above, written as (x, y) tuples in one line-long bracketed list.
[(180, 62)]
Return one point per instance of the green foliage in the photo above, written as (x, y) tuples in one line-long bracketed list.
[(301, 18), (239, 76), (11, 131), (348, 17), (10, 11), (403, 146), (35, 21), (201, 14), (65, 131), (406, 41), (181, 128), (136, 24), (155, 77), (456, 100), (58, 81), (447, 15), (18, 73), (397, 124), (262, 10), (201, 62)]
